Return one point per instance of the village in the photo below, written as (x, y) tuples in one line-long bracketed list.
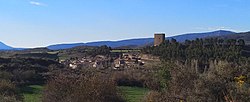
[(117, 62)]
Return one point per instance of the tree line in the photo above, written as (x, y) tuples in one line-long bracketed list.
[(200, 49)]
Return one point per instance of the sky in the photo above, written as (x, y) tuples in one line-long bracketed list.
[(38, 23)]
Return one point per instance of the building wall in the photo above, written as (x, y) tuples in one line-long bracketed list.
[(158, 39)]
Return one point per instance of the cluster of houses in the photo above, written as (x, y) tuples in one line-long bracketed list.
[(127, 60), (124, 60)]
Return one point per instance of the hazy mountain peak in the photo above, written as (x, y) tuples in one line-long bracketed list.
[(4, 46)]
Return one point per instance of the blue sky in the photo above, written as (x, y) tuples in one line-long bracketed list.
[(36, 23)]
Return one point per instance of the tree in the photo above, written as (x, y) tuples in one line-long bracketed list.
[(173, 40), (241, 42), (220, 41), (9, 92), (187, 42)]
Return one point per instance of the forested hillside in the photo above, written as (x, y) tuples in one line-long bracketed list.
[(245, 36), (201, 49)]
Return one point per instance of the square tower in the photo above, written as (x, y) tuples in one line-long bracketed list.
[(159, 38)]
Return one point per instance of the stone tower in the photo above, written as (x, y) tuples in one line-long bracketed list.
[(159, 38)]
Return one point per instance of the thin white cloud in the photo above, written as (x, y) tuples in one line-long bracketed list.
[(217, 28), (37, 3), (211, 28)]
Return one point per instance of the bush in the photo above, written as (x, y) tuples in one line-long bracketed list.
[(79, 88), (137, 78), (8, 99), (23, 71), (5, 75), (8, 92), (216, 84), (125, 79)]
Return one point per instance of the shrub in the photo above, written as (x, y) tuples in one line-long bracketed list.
[(137, 78), (125, 79), (216, 84), (23, 71), (8, 92), (79, 88), (4, 98), (5, 75)]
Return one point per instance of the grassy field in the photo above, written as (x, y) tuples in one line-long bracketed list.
[(133, 94), (124, 51), (33, 93), (53, 52)]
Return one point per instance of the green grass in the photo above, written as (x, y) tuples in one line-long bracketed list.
[(124, 51), (133, 94), (32, 93), (53, 52), (63, 57)]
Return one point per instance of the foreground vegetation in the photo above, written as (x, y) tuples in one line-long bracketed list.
[(33, 93), (200, 70), (212, 70)]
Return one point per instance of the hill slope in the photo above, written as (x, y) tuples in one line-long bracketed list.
[(4, 46), (245, 36), (113, 44), (193, 36)]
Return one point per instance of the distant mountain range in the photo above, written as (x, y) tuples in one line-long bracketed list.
[(138, 42), (141, 41), (193, 36), (112, 44)]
